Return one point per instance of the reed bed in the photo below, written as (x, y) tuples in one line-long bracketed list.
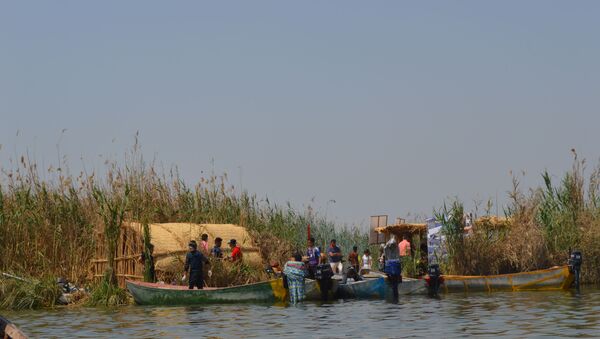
[(545, 225), (49, 218)]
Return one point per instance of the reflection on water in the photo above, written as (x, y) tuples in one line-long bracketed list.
[(522, 314)]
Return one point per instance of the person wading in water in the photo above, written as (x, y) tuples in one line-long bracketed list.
[(295, 272), (393, 269), (193, 265)]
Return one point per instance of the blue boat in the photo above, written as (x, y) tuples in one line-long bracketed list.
[(373, 286)]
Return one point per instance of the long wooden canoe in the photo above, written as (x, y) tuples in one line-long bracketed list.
[(161, 294), (269, 291), (551, 279)]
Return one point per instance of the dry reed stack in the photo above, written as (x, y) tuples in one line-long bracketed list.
[(170, 246)]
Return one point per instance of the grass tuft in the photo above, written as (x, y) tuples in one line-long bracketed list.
[(30, 294)]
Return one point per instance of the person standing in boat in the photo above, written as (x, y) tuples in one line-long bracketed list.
[(295, 272), (353, 259), (367, 262), (313, 255), (335, 257), (236, 251), (216, 251), (194, 261)]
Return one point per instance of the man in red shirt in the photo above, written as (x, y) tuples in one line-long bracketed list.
[(236, 251)]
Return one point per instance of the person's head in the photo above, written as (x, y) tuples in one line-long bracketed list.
[(404, 237), (311, 242), (192, 246), (297, 256), (367, 252), (323, 259), (204, 237), (218, 241), (354, 248), (332, 242), (232, 243)]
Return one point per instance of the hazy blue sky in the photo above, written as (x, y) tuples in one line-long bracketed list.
[(386, 107)]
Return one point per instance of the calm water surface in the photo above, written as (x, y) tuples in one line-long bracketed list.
[(523, 314)]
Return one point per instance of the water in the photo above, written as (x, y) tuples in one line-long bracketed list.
[(522, 314)]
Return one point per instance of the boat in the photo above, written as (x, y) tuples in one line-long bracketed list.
[(372, 286), (377, 286), (269, 291), (8, 330), (145, 293), (312, 291), (551, 279)]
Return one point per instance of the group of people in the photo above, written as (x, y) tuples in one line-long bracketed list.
[(196, 259), (334, 257), (322, 267), (314, 264)]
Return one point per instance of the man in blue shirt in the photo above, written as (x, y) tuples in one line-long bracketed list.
[(313, 255), (216, 251), (193, 264), (335, 257)]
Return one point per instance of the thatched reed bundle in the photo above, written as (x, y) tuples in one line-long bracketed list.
[(170, 246)]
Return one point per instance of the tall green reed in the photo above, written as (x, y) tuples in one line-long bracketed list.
[(49, 218)]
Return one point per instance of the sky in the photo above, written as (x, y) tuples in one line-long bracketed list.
[(385, 107)]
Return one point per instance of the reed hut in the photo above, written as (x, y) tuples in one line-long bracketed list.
[(410, 230), (170, 242)]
